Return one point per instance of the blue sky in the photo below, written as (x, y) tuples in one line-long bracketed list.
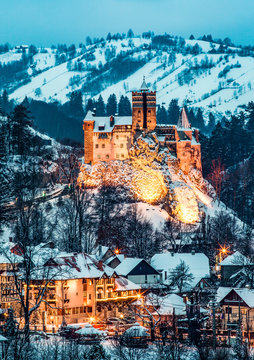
[(46, 22)]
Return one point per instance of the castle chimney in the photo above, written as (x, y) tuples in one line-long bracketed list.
[(112, 121), (94, 112)]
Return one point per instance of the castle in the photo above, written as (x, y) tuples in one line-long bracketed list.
[(110, 138)]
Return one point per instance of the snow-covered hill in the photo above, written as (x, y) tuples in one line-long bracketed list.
[(218, 82)]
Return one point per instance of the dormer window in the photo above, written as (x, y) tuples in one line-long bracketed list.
[(101, 127)]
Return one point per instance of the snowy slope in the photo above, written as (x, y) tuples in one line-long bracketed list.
[(206, 88)]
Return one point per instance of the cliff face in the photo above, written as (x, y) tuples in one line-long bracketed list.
[(152, 175)]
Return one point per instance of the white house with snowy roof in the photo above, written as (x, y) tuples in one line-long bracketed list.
[(197, 263), (138, 271)]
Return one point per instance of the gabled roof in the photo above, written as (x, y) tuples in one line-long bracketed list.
[(102, 123), (236, 259), (129, 264), (123, 284), (247, 295)]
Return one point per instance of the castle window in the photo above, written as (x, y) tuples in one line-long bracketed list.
[(98, 156), (117, 136), (121, 146), (139, 113), (103, 146), (107, 156), (149, 112), (97, 146), (122, 155), (117, 156)]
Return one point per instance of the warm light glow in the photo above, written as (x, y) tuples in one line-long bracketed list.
[(187, 207), (117, 251), (92, 319), (224, 250), (139, 296), (149, 185), (121, 316)]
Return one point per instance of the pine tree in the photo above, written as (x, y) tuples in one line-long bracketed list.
[(76, 104), (20, 137), (100, 107), (11, 325), (173, 112), (211, 122), (111, 105), (199, 121), (130, 34), (90, 105), (162, 115), (124, 106), (96, 352)]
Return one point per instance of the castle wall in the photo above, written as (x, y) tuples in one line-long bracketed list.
[(111, 146)]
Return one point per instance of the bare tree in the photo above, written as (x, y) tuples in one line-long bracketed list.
[(180, 276)]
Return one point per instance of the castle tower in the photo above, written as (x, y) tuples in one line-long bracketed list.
[(88, 126), (183, 121), (143, 108)]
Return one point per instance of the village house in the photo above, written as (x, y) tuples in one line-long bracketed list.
[(138, 271), (111, 137), (197, 265), (235, 270), (237, 306), (79, 288)]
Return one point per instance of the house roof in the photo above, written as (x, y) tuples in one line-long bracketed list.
[(198, 264), (235, 259), (102, 123), (129, 264), (165, 305), (247, 295), (74, 266), (123, 284)]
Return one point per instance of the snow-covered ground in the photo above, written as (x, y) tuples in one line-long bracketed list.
[(206, 89)]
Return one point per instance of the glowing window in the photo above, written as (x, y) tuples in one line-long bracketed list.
[(98, 156), (103, 146), (121, 146), (107, 156), (96, 146)]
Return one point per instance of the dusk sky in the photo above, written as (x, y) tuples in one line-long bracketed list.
[(47, 22)]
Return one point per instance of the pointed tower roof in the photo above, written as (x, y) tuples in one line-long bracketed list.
[(183, 121), (144, 86)]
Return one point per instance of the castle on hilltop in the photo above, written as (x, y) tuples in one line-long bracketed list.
[(110, 137)]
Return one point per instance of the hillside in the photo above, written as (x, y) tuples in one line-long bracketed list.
[(215, 77)]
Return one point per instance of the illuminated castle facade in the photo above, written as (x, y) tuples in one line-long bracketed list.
[(110, 137)]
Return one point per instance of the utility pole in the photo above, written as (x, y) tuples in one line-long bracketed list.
[(214, 325)]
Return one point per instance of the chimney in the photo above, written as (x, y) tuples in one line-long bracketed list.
[(112, 121), (193, 252), (100, 250), (100, 265), (94, 112), (10, 239), (172, 254)]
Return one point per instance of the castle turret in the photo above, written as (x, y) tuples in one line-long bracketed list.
[(143, 108), (88, 127)]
